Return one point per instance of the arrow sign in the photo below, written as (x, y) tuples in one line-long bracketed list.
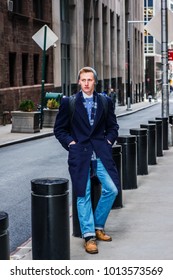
[(51, 37), (154, 26), (45, 38)]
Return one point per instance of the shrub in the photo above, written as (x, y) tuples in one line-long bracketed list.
[(27, 106), (52, 104)]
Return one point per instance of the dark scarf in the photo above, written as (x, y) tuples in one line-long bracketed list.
[(93, 109)]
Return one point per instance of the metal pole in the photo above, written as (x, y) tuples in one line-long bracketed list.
[(164, 47), (128, 58), (43, 76)]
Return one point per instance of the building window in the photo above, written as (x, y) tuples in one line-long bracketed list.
[(17, 6), (38, 9), (150, 39), (24, 68), (150, 3), (36, 68), (64, 4), (12, 69)]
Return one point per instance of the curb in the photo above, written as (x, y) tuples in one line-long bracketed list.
[(30, 138)]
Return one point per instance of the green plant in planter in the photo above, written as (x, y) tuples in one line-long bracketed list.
[(27, 106), (52, 104)]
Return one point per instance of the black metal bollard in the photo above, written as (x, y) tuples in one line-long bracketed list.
[(152, 143), (170, 125), (95, 191), (117, 157), (75, 220), (165, 132), (171, 119), (142, 150), (4, 237), (95, 195), (159, 137), (129, 161), (50, 219)]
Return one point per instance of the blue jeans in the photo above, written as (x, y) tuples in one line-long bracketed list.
[(88, 220)]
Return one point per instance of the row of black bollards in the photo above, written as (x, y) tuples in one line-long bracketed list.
[(141, 148)]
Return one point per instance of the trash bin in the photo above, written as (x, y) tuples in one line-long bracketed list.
[(142, 150), (152, 142), (4, 237), (50, 219), (129, 161), (159, 137), (165, 132), (117, 157)]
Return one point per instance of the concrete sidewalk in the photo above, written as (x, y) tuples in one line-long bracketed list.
[(142, 228)]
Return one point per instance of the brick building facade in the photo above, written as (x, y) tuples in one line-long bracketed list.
[(20, 56), (90, 32)]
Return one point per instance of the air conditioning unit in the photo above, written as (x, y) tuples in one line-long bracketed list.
[(10, 6)]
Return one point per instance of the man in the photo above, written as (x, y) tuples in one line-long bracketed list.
[(113, 97), (88, 135)]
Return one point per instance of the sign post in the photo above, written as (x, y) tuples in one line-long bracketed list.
[(45, 38)]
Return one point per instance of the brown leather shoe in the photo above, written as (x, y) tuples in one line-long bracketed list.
[(101, 235), (91, 246)]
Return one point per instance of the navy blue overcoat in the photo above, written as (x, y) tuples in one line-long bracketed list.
[(87, 138)]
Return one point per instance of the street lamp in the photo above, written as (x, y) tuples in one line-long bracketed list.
[(128, 60)]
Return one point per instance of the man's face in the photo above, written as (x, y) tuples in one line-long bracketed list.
[(87, 82)]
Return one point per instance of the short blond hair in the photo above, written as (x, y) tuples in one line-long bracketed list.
[(87, 69)]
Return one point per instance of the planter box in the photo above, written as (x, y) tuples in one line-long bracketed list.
[(25, 122), (49, 116)]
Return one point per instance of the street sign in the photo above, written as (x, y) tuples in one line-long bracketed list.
[(170, 54), (154, 26), (45, 38), (51, 37)]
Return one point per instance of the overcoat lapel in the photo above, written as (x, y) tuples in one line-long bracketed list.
[(99, 112)]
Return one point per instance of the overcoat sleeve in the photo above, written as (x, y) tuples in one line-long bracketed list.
[(62, 124)]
